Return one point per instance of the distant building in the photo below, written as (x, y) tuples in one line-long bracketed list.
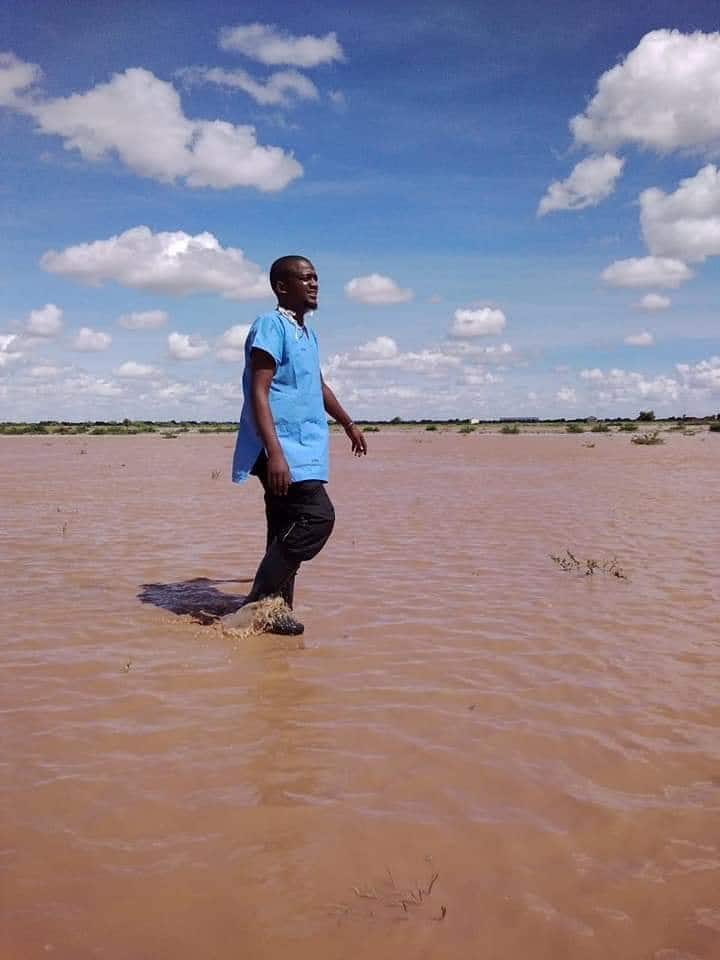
[(519, 420)]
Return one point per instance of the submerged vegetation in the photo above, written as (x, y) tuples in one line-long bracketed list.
[(568, 561), (647, 439)]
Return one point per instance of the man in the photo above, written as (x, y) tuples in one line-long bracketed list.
[(283, 434)]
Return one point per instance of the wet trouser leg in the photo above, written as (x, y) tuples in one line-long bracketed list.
[(298, 527)]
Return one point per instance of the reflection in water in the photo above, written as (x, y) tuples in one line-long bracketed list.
[(543, 741), (198, 598)]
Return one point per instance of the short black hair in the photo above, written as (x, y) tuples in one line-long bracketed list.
[(282, 266)]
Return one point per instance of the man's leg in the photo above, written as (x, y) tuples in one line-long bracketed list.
[(300, 523)]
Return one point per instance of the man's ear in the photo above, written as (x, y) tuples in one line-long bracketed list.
[(280, 286)]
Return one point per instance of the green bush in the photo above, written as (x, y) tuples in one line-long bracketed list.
[(628, 427), (466, 428), (574, 428), (510, 428), (431, 426), (600, 428), (714, 427)]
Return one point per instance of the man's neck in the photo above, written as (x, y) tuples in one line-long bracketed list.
[(298, 315)]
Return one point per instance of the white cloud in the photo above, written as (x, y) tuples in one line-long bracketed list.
[(376, 289), (664, 95), (143, 320), (174, 391), (95, 386), (684, 224), (702, 376), (280, 88), (644, 339), (591, 181), (272, 46), (91, 341), (131, 370), (566, 395), (230, 345), (15, 76), (647, 272), (176, 263), (338, 99), (44, 322), (654, 301), (139, 118), (381, 348), (187, 346), (618, 385), (8, 349), (44, 371), (477, 322), (383, 353)]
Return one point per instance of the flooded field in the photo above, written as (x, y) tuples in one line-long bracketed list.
[(476, 753)]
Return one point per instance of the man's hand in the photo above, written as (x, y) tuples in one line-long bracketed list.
[(357, 439), (278, 473)]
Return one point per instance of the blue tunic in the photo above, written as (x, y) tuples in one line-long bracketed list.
[(295, 397)]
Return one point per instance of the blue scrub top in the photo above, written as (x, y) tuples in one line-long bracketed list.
[(296, 400)]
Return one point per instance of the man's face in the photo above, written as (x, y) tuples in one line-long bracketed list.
[(298, 290)]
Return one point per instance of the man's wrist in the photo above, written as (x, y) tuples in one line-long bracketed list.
[(348, 424)]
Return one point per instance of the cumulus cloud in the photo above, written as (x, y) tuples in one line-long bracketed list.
[(143, 320), (139, 118), (272, 46), (684, 224), (384, 353), (702, 376), (230, 345), (654, 301), (376, 289), (591, 181), (44, 322), (131, 370), (15, 77), (664, 96), (644, 339), (647, 272), (566, 395), (8, 349), (187, 346), (91, 341), (617, 385), (44, 371), (94, 386), (279, 89), (381, 348), (176, 263), (477, 322)]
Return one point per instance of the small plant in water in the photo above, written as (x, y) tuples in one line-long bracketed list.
[(647, 439), (588, 567), (215, 474)]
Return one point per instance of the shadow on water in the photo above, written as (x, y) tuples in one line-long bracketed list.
[(198, 598)]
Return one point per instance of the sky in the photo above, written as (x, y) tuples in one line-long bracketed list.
[(514, 210)]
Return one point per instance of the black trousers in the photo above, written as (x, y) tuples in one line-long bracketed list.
[(298, 527)]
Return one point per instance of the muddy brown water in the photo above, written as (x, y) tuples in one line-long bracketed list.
[(477, 754)]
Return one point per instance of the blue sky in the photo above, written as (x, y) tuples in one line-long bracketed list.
[(511, 215)]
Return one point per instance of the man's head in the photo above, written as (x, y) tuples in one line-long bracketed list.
[(295, 283)]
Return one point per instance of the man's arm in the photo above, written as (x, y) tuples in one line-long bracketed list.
[(336, 411), (263, 368)]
